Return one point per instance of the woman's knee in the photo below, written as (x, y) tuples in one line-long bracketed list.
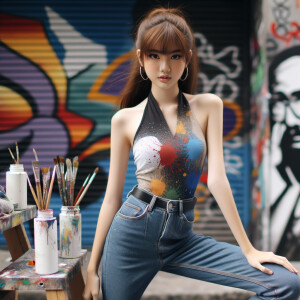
[(289, 286)]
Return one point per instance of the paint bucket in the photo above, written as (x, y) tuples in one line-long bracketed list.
[(45, 242), (16, 186), (70, 232)]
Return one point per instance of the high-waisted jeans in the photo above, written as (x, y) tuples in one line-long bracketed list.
[(140, 243)]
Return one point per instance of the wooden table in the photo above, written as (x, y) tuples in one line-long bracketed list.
[(67, 283), (14, 232)]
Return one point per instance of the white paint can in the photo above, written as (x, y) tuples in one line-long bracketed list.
[(45, 242), (16, 186), (70, 232)]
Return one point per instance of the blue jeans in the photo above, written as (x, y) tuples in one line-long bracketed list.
[(141, 242)]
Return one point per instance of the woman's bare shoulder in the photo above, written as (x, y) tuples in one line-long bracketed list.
[(203, 100), (126, 114)]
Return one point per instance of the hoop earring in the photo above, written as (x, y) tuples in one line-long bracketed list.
[(187, 73), (142, 74)]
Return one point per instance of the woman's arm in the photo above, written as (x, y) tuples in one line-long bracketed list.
[(218, 184), (119, 156)]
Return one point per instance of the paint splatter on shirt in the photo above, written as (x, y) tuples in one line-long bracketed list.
[(169, 166)]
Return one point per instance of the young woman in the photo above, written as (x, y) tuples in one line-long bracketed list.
[(171, 131)]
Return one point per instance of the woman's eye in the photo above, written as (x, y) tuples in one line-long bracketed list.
[(152, 55), (177, 56)]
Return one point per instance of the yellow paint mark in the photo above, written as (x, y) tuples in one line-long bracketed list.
[(157, 187), (184, 174), (188, 113), (180, 128)]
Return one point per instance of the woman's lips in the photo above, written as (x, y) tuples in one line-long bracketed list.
[(164, 78)]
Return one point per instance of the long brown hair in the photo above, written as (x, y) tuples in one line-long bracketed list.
[(162, 27)]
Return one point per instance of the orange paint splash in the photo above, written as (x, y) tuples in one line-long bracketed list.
[(180, 128), (157, 187)]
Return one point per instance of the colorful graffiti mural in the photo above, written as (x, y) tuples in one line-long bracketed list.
[(61, 73), (278, 148)]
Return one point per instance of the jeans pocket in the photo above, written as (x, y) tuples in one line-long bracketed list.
[(132, 209), (189, 216)]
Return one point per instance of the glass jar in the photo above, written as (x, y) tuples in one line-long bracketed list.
[(70, 232), (45, 242), (16, 186)]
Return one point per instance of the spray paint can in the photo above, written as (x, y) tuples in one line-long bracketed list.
[(45, 242), (70, 232), (16, 186)]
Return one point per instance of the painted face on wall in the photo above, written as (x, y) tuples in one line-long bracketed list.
[(286, 95)]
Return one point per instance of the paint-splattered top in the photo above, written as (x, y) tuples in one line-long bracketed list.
[(169, 166)]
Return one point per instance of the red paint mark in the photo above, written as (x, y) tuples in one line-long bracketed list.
[(167, 154), (287, 37), (185, 140), (31, 263)]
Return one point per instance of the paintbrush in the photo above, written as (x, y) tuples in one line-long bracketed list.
[(17, 151), (46, 179), (87, 186), (70, 183), (51, 187), (83, 186), (32, 192), (36, 172), (59, 180), (35, 154), (75, 169), (61, 161), (11, 154)]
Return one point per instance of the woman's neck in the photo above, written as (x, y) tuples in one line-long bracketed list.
[(164, 96)]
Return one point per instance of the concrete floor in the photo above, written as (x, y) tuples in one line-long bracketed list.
[(164, 286)]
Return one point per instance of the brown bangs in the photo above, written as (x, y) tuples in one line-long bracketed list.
[(164, 37)]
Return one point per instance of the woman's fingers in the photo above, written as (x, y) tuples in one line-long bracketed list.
[(264, 269), (285, 262)]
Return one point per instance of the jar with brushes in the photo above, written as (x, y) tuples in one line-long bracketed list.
[(70, 232), (45, 242), (16, 186)]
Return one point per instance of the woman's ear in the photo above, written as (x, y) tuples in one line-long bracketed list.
[(138, 54), (189, 56)]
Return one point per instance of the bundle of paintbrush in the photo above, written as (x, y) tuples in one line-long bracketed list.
[(42, 199), (66, 181)]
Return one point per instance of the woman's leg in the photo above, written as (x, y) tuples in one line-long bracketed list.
[(201, 257), (129, 260)]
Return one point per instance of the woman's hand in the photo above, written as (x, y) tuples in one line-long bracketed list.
[(256, 258), (92, 287)]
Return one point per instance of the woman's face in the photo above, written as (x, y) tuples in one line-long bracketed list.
[(164, 69)]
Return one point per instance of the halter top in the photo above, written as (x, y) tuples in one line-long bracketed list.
[(169, 166)]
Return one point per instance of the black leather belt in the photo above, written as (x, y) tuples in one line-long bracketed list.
[(147, 197)]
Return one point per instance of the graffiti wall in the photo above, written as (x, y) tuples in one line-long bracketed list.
[(276, 93), (63, 67)]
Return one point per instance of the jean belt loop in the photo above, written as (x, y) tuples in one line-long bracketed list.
[(129, 193), (180, 208), (152, 202), (169, 205)]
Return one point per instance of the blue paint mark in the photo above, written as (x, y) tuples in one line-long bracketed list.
[(192, 179), (195, 148)]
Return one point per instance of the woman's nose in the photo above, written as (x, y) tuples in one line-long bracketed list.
[(164, 66)]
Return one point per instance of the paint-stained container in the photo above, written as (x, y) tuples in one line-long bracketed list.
[(16, 186), (45, 242), (70, 232)]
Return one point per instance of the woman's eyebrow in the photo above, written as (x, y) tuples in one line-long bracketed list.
[(162, 52)]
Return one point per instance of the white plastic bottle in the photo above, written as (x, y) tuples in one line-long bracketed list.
[(16, 186), (45, 242)]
